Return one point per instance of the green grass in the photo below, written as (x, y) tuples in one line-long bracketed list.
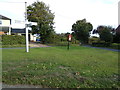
[(54, 67)]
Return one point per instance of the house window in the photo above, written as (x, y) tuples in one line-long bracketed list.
[(0, 22)]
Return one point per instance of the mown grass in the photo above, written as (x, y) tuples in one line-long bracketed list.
[(57, 67), (13, 46)]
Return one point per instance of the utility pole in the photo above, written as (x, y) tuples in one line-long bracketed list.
[(118, 13), (26, 29)]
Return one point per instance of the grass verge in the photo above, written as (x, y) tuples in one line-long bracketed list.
[(12, 46), (57, 67)]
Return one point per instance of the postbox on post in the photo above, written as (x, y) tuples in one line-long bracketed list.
[(69, 39)]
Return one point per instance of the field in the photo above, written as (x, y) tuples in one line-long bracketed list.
[(57, 67)]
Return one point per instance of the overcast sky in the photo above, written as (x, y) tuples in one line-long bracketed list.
[(67, 12)]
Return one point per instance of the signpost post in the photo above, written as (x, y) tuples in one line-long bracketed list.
[(27, 24), (27, 47), (69, 39)]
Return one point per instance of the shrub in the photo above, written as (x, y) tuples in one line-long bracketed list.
[(106, 36), (94, 41), (12, 40), (74, 41)]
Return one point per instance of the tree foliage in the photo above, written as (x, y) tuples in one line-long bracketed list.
[(105, 33), (116, 36), (39, 12), (81, 30)]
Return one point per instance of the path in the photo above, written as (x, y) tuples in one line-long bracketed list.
[(116, 50), (33, 44)]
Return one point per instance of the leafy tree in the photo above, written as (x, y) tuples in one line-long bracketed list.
[(105, 33), (40, 13), (81, 30), (116, 38)]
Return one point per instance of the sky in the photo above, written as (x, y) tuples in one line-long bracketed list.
[(67, 12)]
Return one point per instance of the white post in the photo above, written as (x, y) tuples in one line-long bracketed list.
[(27, 42), (118, 13)]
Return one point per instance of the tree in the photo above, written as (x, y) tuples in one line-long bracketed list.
[(81, 30), (40, 13), (105, 33)]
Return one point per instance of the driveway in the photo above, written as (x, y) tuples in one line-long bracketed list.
[(34, 44)]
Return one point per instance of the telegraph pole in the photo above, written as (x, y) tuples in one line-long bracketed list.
[(118, 13), (26, 29)]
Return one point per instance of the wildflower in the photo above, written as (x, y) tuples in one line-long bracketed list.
[(43, 80), (50, 64), (78, 87), (77, 73), (83, 72), (88, 71)]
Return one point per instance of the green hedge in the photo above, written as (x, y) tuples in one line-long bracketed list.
[(94, 41), (12, 40)]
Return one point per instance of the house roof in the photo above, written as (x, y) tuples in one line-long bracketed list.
[(4, 17), (17, 30), (118, 29)]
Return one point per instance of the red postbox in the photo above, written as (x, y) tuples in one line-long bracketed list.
[(69, 37)]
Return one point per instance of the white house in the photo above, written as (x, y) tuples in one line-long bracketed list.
[(93, 34), (17, 28), (5, 25), (21, 31)]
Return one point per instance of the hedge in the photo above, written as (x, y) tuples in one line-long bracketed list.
[(12, 40), (94, 41)]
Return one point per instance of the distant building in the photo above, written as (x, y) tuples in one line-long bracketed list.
[(92, 34), (21, 31), (118, 30), (5, 25), (7, 29)]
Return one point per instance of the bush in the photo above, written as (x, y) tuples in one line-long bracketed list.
[(74, 41), (12, 40), (106, 36), (94, 41)]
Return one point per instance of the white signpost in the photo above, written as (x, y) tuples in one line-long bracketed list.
[(27, 25)]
